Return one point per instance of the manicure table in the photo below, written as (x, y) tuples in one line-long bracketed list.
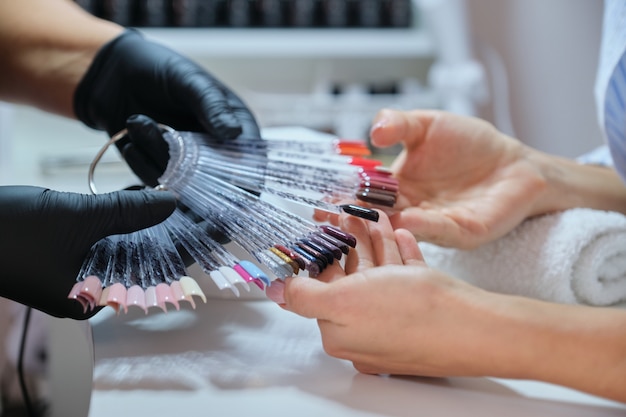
[(248, 357)]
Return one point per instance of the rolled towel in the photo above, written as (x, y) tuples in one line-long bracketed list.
[(577, 256)]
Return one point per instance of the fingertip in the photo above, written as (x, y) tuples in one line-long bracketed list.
[(382, 223), (351, 224), (405, 235), (320, 216), (276, 291), (225, 127), (142, 125), (160, 204), (140, 165), (161, 197), (147, 139), (384, 127), (408, 247), (394, 126), (383, 116), (135, 119), (304, 296)]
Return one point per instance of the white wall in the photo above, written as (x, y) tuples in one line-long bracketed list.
[(550, 50)]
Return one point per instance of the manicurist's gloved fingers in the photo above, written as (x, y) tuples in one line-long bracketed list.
[(145, 151), (132, 75), (249, 126), (127, 211), (46, 236), (207, 99), (309, 297)]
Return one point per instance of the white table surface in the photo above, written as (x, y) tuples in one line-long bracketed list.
[(251, 358)]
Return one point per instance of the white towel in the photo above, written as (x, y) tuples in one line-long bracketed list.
[(577, 256)]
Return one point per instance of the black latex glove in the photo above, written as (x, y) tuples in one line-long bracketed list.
[(145, 151), (46, 235), (131, 75)]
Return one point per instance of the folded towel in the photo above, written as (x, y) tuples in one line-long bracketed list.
[(577, 256)]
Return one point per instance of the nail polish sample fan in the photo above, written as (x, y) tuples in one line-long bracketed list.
[(219, 183)]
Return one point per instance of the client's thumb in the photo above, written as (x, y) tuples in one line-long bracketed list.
[(307, 297)]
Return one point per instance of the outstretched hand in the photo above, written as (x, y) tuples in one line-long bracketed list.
[(462, 182), (388, 312)]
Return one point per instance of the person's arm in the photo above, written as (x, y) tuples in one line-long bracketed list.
[(570, 184), (575, 346), (46, 47), (417, 321), (55, 56), (393, 315)]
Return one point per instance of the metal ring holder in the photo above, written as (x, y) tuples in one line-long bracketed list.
[(118, 136)]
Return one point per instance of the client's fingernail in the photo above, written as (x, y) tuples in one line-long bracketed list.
[(276, 291), (378, 126)]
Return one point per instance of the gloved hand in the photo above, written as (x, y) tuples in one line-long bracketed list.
[(46, 235), (131, 75)]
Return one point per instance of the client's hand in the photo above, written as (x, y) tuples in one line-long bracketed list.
[(462, 182), (391, 313)]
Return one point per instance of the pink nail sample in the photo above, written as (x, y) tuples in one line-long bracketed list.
[(91, 290), (247, 277), (75, 290), (243, 273), (75, 295), (117, 297), (179, 294), (164, 295), (152, 299), (135, 296)]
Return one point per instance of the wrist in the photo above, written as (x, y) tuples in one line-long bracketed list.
[(576, 346), (503, 343), (569, 184)]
